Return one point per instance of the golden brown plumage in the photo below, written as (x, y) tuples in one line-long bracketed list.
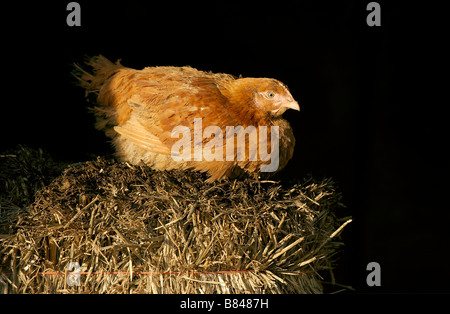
[(140, 109)]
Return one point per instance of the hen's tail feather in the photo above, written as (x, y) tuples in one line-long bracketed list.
[(102, 70)]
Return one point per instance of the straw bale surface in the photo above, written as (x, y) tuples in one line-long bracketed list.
[(135, 230)]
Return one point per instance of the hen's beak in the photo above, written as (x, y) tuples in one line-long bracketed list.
[(292, 105)]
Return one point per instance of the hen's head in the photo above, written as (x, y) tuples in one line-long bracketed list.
[(268, 95)]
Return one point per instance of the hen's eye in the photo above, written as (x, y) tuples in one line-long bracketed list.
[(270, 94)]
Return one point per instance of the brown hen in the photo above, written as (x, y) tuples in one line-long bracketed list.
[(145, 112)]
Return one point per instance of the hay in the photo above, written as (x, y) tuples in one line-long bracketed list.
[(24, 171), (135, 230)]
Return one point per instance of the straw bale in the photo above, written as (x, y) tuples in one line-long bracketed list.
[(135, 230)]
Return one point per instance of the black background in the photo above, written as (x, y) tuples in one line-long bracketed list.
[(366, 119)]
